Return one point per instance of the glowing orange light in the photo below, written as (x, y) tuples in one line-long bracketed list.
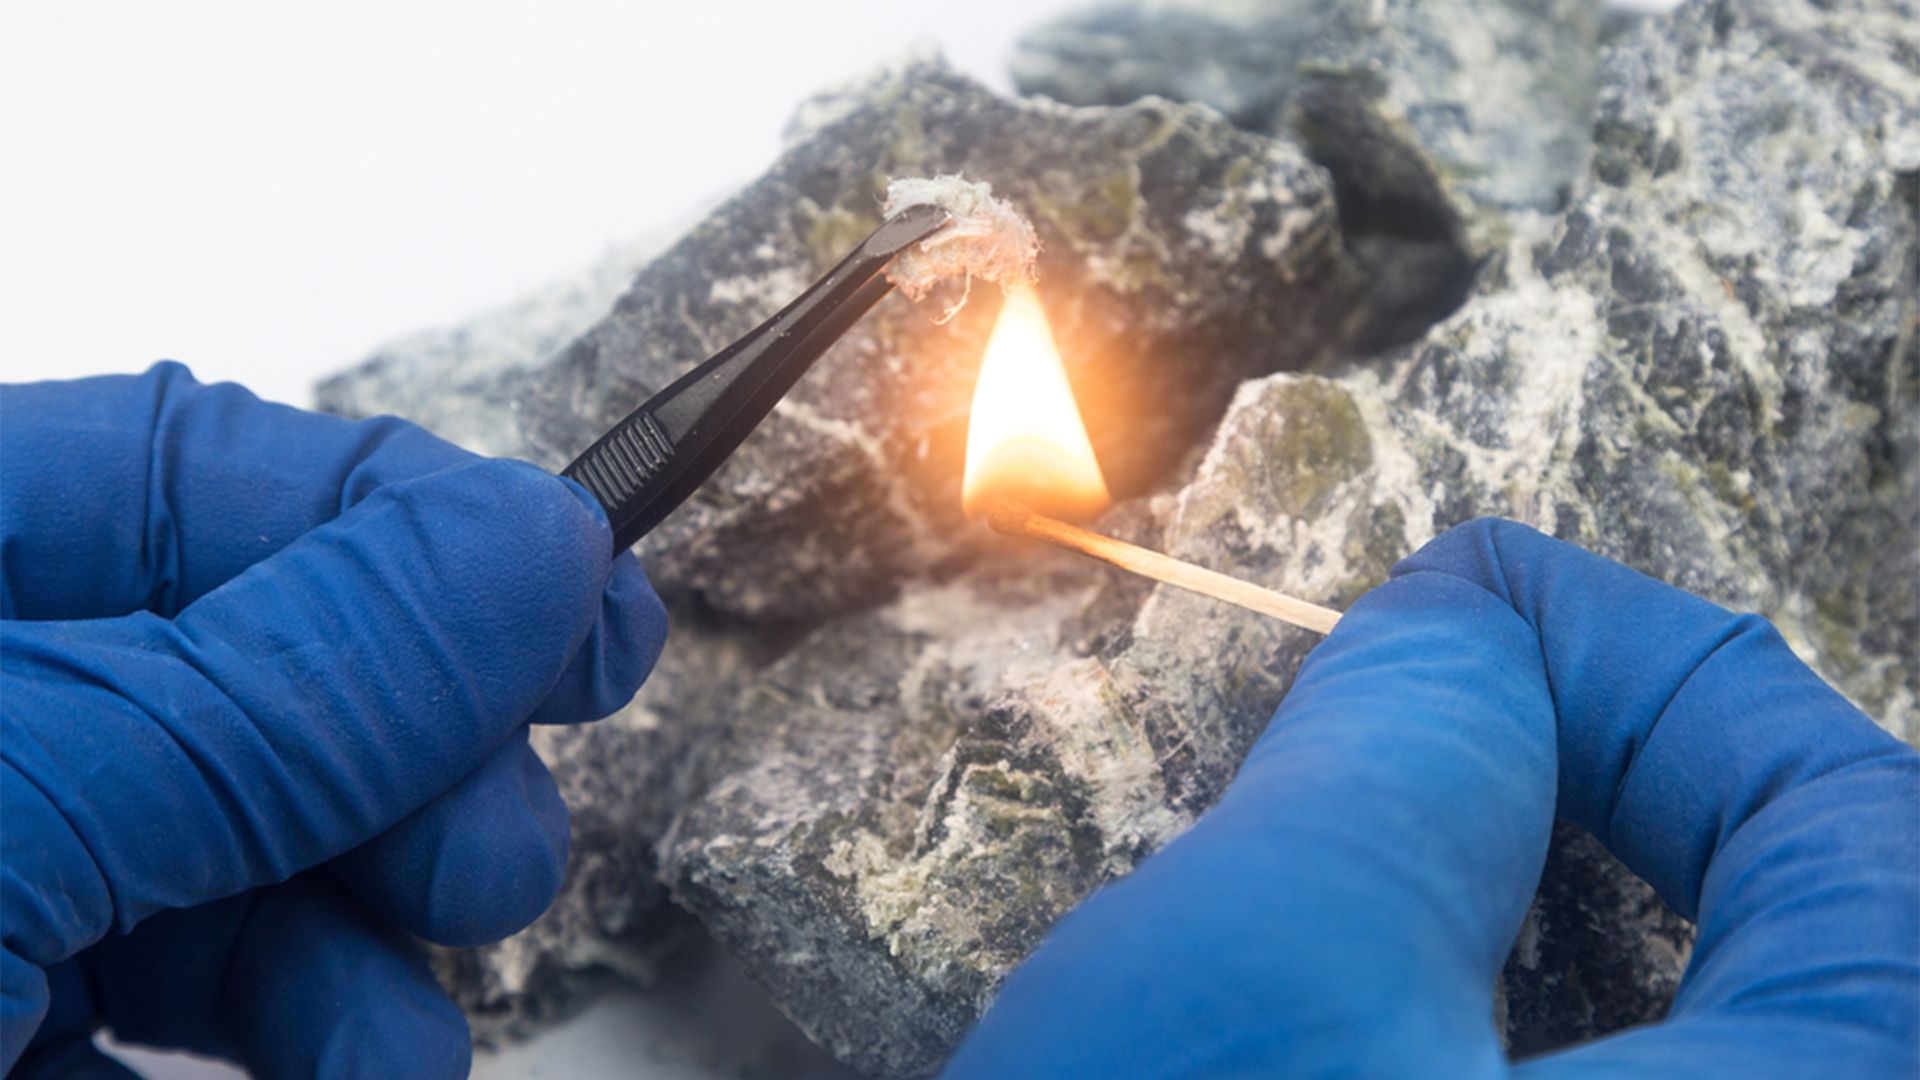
[(1025, 439)]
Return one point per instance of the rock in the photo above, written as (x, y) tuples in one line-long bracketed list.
[(438, 378), (1180, 255), (1238, 61), (1438, 120), (1705, 368), (879, 840)]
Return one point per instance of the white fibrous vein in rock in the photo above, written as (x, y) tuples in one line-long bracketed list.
[(987, 238)]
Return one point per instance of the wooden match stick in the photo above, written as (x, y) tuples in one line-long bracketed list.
[(1012, 519)]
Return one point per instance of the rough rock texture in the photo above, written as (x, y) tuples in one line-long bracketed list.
[(1179, 255), (837, 847), (1706, 366), (439, 377), (1437, 118)]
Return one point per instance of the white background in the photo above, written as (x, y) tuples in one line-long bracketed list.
[(267, 191)]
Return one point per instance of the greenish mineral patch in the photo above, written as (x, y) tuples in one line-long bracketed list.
[(1099, 211), (833, 231), (1313, 440)]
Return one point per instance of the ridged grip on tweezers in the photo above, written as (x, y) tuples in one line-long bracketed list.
[(650, 462), (619, 466)]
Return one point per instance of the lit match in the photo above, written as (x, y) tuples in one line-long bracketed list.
[(1027, 447)]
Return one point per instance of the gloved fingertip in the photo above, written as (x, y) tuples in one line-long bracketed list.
[(1476, 551), (318, 988), (535, 550), (638, 617), (475, 865), (410, 1031), (618, 654)]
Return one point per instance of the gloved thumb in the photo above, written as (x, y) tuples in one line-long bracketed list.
[(292, 713)]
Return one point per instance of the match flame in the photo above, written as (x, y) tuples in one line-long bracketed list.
[(1025, 439)]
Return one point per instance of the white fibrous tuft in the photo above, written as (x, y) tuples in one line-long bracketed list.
[(986, 239)]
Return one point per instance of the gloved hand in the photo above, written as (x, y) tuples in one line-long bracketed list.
[(1345, 908), (266, 681)]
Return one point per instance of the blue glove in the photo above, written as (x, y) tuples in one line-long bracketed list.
[(1347, 905), (265, 679)]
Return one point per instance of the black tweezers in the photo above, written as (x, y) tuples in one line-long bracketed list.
[(650, 462)]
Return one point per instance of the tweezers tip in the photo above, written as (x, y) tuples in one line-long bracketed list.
[(907, 228)]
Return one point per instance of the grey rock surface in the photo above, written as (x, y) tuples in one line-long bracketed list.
[(1179, 254), (1437, 118), (436, 377), (1706, 365)]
